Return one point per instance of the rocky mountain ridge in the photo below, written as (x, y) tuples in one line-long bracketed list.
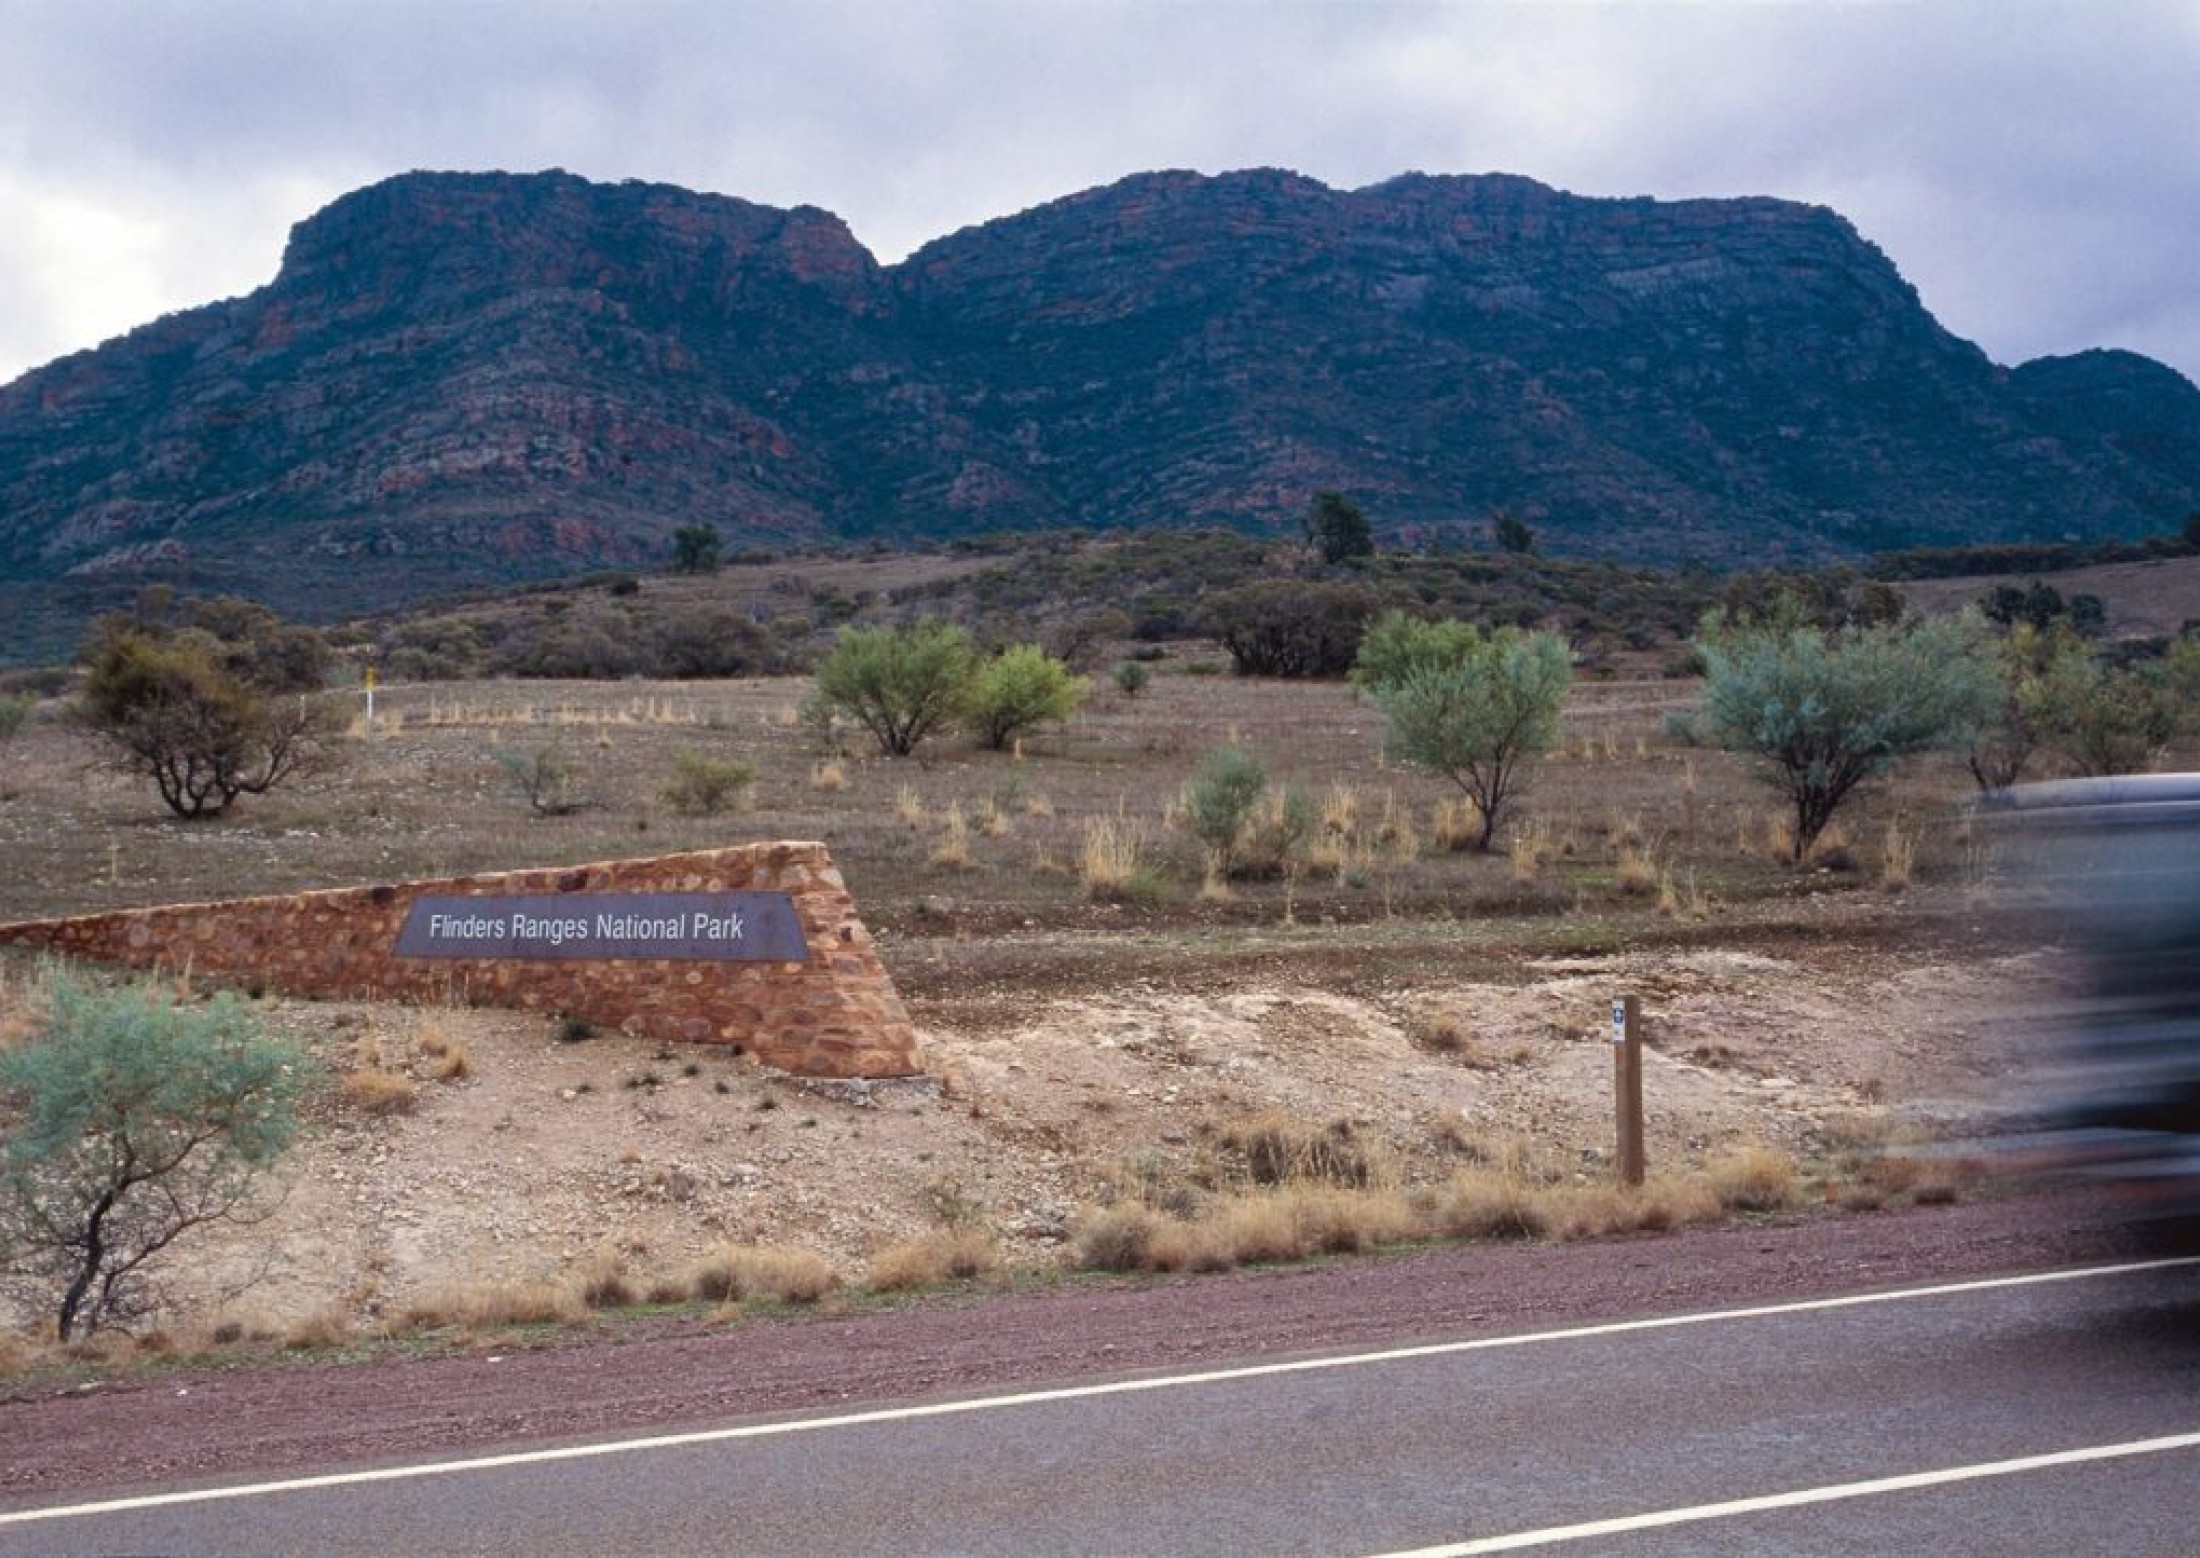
[(461, 379)]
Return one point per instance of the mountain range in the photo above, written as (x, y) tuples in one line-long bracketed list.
[(462, 379)]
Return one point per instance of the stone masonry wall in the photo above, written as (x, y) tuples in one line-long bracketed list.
[(833, 1015)]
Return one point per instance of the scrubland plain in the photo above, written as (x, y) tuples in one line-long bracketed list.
[(1133, 1066)]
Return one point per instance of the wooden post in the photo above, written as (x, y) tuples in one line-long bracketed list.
[(1627, 1074)]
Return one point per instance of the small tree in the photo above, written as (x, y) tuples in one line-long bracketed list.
[(128, 1122), (696, 549), (174, 713), (2110, 719), (1337, 529), (1513, 533), (546, 777), (1826, 710), (2034, 672), (1477, 715), (1017, 691), (901, 684)]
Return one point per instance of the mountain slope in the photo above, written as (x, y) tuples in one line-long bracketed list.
[(467, 378), (1717, 378)]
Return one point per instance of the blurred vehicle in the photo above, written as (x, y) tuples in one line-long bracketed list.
[(2113, 866)]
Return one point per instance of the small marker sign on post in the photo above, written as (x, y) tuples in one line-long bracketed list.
[(1627, 1077)]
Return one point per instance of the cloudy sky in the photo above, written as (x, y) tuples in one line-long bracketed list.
[(2034, 168)]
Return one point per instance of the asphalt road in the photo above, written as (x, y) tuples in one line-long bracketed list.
[(2050, 1414)]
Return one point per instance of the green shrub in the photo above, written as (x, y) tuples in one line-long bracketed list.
[(130, 1121), (1018, 690), (1396, 645), (703, 786), (686, 642), (1285, 627), (598, 643), (1219, 803), (546, 777), (1274, 841)]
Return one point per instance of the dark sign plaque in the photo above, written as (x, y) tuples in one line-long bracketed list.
[(715, 927)]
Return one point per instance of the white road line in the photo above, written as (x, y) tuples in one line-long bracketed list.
[(578, 1452), (1624, 1524)]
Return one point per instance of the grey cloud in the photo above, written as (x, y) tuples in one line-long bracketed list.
[(2032, 167)]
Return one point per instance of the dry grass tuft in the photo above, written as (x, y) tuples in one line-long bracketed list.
[(1531, 846), (1676, 902), (1598, 1211), (1455, 824), (772, 1273), (1395, 832), (322, 1331), (831, 776), (1897, 857), (601, 1281), (1112, 860), (909, 806), (1333, 1221), (376, 1091), (952, 849), (449, 1060), (19, 1353), (930, 1259), (1485, 1203), (1755, 1178), (1296, 1222), (1636, 873), (1450, 1033), (491, 1305), (1131, 1237), (1280, 1149)]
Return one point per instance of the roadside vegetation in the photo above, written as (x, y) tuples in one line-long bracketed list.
[(129, 1120), (1175, 757)]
